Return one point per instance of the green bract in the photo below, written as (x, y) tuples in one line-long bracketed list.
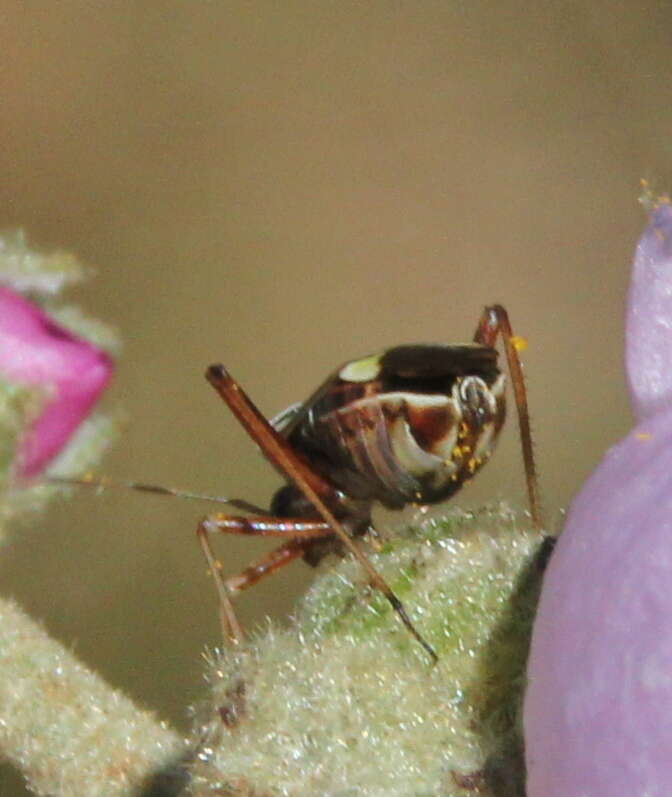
[(345, 702)]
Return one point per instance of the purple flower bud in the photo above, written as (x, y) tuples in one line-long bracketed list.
[(69, 372), (648, 342), (598, 711)]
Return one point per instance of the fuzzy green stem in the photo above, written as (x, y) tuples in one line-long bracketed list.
[(64, 727)]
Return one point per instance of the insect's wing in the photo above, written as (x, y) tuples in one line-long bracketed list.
[(286, 422), (423, 361), (417, 362), (285, 419)]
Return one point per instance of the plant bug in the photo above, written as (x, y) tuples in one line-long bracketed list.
[(407, 426)]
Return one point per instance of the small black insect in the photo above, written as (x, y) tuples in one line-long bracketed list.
[(407, 426)]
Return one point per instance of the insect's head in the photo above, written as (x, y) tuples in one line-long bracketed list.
[(454, 397)]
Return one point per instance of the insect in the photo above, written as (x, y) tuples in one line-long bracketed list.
[(407, 426)]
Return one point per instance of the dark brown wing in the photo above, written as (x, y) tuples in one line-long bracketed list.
[(434, 361), (424, 367)]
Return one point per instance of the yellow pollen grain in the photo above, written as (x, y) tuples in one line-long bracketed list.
[(643, 436), (519, 343)]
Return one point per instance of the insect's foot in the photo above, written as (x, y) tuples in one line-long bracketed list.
[(398, 607)]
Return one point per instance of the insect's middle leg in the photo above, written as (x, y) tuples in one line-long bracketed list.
[(266, 565), (300, 531)]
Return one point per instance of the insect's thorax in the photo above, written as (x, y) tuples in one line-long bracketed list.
[(408, 426)]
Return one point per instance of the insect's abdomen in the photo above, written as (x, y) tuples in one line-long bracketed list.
[(403, 446)]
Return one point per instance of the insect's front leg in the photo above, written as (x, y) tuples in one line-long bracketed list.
[(300, 531), (316, 490), (494, 322)]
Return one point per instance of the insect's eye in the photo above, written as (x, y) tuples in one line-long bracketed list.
[(476, 395)]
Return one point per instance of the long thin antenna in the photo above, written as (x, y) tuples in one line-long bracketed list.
[(105, 483)]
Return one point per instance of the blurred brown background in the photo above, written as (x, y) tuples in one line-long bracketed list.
[(284, 186)]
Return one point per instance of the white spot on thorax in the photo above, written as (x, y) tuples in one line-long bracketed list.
[(361, 370)]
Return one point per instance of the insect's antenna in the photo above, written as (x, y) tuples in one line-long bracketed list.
[(105, 483), (280, 453), (494, 322)]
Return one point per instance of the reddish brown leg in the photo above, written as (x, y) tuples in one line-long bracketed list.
[(494, 322), (267, 526), (278, 451), (265, 565), (299, 529), (231, 628)]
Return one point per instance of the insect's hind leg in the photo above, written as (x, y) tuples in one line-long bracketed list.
[(300, 531)]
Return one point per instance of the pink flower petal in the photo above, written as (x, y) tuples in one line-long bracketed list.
[(36, 352)]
